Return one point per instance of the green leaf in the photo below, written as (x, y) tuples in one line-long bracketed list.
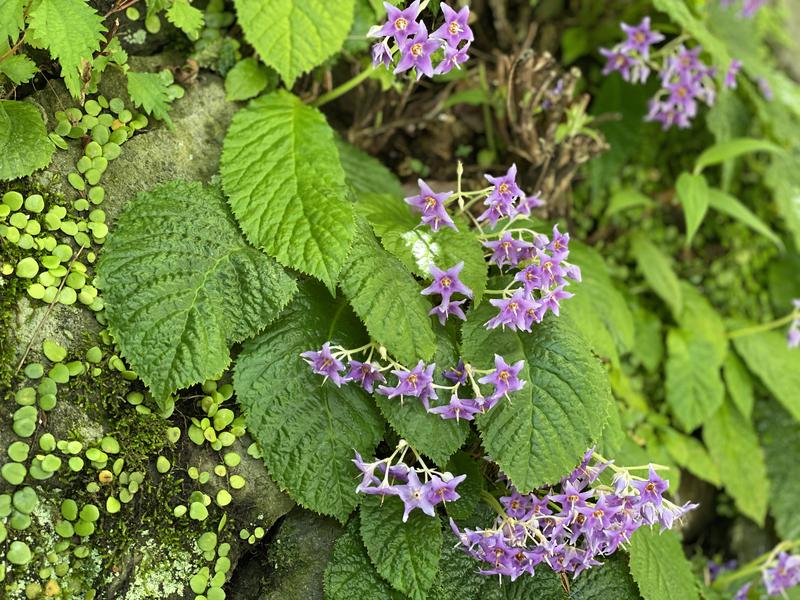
[(657, 270), (18, 68), (405, 554), (12, 20), (458, 578), (739, 384), (294, 36), (179, 292), (419, 247), (734, 446), (648, 343), (307, 429), (349, 574), (728, 205), (387, 298), (691, 455), (704, 322), (72, 31), (780, 437), (783, 178), (727, 150), (610, 581), (186, 17), (768, 356), (366, 174), (542, 432), (694, 389), (150, 91), (247, 79), (626, 199), (24, 144), (281, 172), (659, 566), (693, 193)]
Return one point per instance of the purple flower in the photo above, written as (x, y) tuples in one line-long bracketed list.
[(783, 575), (793, 336), (381, 54), (445, 309), (400, 23), (505, 187), (457, 374), (730, 75), (640, 37), (651, 489), (455, 29), (415, 495), (507, 250), (446, 283), (559, 247), (552, 301), (766, 89), (528, 203), (443, 489), (457, 409), (741, 594), (415, 52), (367, 471), (364, 373), (751, 7), (453, 59), (418, 382), (512, 311), (504, 378), (323, 363), (432, 206), (617, 60)]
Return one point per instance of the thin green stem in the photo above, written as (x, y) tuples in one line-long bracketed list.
[(753, 566), (765, 326), (342, 89)]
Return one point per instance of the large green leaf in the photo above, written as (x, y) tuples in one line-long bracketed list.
[(723, 151), (308, 429), (186, 17), (694, 388), (780, 437), (150, 92), (405, 554), (72, 31), (693, 193), (739, 384), (657, 270), (419, 247), (294, 36), (387, 298), (24, 144), (281, 172), (610, 581), (366, 174), (703, 321), (12, 20), (625, 199), (659, 566), (246, 79), (734, 446), (541, 433), (768, 356), (728, 205), (691, 455), (349, 574), (179, 291)]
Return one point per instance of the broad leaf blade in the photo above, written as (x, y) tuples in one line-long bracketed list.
[(727, 204), (148, 91), (186, 17), (729, 149), (247, 79), (626, 199), (308, 429), (366, 174), (657, 270), (281, 172), (693, 193), (405, 554), (659, 566), (780, 437), (24, 144), (541, 433), (180, 291)]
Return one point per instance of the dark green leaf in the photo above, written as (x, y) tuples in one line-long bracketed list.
[(659, 566), (780, 437)]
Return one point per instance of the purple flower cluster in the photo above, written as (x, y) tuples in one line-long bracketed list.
[(685, 79), (382, 478), (418, 382), (445, 284), (402, 32), (781, 574), (794, 328), (569, 528), (749, 7)]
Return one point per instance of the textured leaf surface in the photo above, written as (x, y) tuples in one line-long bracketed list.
[(149, 92), (778, 367), (694, 388), (691, 455), (24, 144), (186, 17), (780, 437), (728, 205), (734, 446), (12, 20), (657, 270), (73, 31), (610, 581), (281, 172), (405, 554), (294, 36), (704, 322), (419, 247), (248, 78), (18, 68), (541, 434), (659, 566), (349, 574), (308, 429), (387, 298), (366, 174), (180, 291)]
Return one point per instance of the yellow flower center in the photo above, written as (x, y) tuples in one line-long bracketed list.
[(639, 37), (513, 306), (503, 188), (400, 24), (572, 498), (504, 375), (416, 49), (454, 28), (446, 282), (412, 379), (430, 202)]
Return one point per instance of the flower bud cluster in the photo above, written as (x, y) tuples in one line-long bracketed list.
[(390, 477), (569, 527), (403, 34)]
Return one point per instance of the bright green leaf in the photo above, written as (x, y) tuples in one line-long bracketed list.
[(648, 344), (703, 321), (149, 91), (179, 292), (307, 429), (247, 79), (294, 36), (12, 20), (626, 199), (727, 204), (659, 566), (280, 169), (733, 444), (727, 150), (542, 432), (18, 68), (739, 384), (691, 455), (657, 270), (24, 144), (366, 174), (405, 554), (693, 193), (186, 17)]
